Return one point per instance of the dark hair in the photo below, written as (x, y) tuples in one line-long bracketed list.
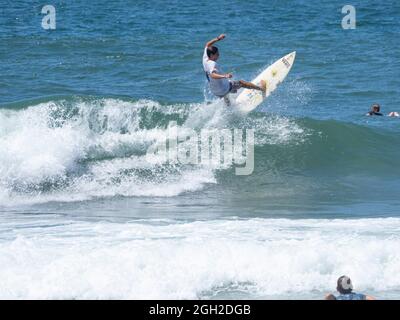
[(211, 50), (377, 106), (340, 288)]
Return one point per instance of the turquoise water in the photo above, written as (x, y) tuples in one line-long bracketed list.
[(83, 214)]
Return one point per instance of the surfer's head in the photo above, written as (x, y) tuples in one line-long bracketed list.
[(213, 53), (344, 285), (376, 107)]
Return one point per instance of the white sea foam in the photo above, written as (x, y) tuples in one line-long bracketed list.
[(161, 260), (71, 151)]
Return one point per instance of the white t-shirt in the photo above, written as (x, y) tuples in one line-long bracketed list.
[(219, 87)]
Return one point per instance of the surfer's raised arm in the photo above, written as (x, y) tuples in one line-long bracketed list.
[(211, 42)]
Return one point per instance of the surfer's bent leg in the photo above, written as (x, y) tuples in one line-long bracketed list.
[(249, 85), (227, 101)]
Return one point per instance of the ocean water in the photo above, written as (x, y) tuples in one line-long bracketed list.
[(85, 214)]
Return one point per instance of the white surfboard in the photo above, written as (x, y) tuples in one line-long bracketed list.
[(248, 99)]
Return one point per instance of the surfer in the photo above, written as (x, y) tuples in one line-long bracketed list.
[(375, 110), (219, 84), (345, 288)]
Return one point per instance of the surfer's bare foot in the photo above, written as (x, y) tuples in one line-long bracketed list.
[(263, 86)]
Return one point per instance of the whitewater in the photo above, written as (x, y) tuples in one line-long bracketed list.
[(174, 231)]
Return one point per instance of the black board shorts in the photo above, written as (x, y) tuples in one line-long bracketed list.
[(234, 86)]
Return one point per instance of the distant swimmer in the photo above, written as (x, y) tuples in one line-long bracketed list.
[(219, 84), (375, 110), (345, 289)]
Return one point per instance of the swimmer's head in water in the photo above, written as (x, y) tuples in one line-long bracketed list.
[(344, 285), (213, 53), (376, 107)]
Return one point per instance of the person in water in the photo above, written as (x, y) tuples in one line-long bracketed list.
[(345, 289), (375, 110), (219, 84)]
